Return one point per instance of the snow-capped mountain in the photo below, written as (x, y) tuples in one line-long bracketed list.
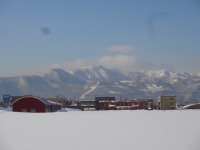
[(99, 73), (86, 83)]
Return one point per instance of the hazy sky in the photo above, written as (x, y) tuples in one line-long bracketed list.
[(36, 35)]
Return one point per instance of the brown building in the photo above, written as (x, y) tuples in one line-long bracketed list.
[(166, 102)]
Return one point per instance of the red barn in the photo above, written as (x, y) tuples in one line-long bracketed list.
[(35, 104)]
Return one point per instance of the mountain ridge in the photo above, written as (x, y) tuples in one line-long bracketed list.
[(86, 83)]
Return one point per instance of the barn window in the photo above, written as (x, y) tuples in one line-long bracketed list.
[(33, 110), (24, 110)]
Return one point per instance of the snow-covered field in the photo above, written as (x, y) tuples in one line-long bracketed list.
[(101, 130)]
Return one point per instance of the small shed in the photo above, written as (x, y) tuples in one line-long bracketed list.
[(35, 104)]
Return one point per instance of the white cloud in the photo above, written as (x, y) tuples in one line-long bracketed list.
[(120, 48), (125, 63), (121, 62)]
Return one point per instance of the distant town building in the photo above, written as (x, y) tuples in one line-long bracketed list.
[(104, 98), (86, 104), (126, 104), (166, 102), (109, 103), (100, 100), (59, 100)]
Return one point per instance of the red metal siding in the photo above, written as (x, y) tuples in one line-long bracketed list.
[(125, 105), (28, 103)]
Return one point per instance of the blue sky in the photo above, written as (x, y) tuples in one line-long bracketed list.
[(130, 35)]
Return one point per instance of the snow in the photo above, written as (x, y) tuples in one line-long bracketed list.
[(120, 86), (5, 109), (153, 88), (103, 73), (62, 110), (114, 92), (92, 88), (126, 81), (23, 85), (101, 130)]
